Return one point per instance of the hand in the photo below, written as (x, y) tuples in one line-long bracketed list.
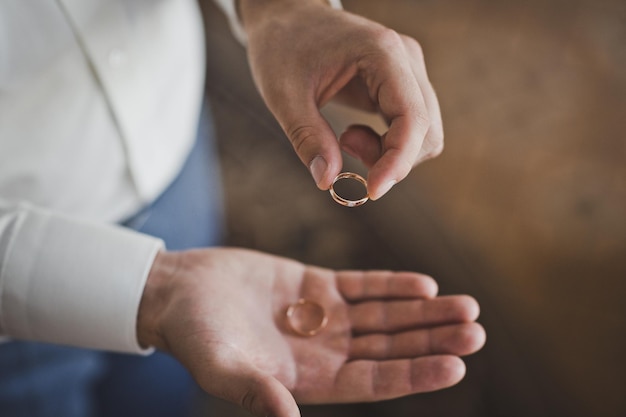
[(221, 312), (303, 53)]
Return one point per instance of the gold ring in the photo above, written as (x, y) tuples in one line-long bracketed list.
[(343, 201), (306, 318)]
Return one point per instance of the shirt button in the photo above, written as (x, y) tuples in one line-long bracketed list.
[(116, 58)]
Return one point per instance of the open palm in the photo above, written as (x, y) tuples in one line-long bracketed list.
[(388, 334)]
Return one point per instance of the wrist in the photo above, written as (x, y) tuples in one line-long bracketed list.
[(154, 300)]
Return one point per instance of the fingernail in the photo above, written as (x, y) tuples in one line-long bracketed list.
[(384, 188), (318, 168)]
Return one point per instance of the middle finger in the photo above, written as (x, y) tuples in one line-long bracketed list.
[(455, 339), (397, 315)]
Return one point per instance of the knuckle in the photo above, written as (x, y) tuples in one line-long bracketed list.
[(300, 136), (414, 47), (388, 39)]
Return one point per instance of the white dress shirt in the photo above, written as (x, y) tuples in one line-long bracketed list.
[(99, 105)]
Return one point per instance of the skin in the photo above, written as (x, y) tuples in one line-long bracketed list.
[(221, 312), (302, 54)]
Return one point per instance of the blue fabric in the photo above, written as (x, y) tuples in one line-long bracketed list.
[(42, 380)]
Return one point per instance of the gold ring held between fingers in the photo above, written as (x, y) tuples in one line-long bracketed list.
[(344, 201)]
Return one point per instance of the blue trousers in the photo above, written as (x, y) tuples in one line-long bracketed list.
[(43, 380)]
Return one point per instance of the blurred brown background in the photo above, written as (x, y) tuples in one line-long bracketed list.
[(525, 210)]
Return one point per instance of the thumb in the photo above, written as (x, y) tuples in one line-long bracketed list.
[(258, 392), (313, 140)]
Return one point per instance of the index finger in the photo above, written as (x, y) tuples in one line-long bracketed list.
[(368, 285)]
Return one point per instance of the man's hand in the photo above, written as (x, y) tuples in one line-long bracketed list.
[(221, 312), (303, 53)]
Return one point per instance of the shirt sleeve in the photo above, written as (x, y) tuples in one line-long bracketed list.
[(71, 282), (229, 7)]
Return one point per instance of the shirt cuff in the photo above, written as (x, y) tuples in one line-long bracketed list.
[(229, 7), (70, 282)]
